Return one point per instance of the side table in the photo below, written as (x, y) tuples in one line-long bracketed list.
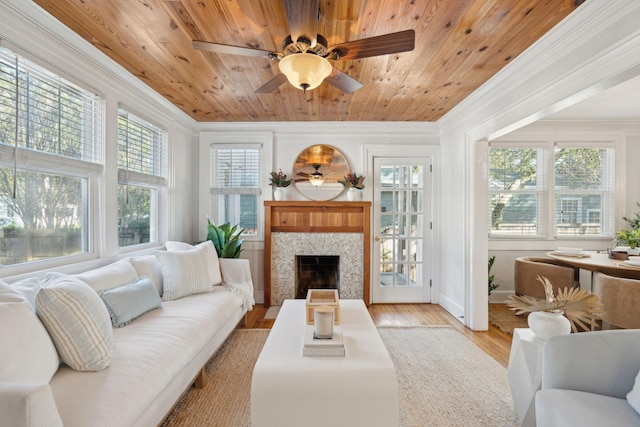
[(525, 373)]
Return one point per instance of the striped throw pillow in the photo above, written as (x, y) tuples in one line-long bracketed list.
[(77, 321), (184, 273)]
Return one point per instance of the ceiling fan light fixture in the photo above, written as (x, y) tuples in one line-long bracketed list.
[(305, 71), (316, 180)]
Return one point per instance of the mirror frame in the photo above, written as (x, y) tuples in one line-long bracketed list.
[(333, 166)]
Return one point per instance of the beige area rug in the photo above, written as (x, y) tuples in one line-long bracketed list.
[(444, 380), (507, 321)]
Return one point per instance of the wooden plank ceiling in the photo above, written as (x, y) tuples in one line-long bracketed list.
[(459, 45)]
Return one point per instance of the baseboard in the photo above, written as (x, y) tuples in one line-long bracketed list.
[(452, 307), (499, 297)]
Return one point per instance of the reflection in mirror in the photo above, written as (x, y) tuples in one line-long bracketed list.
[(317, 170)]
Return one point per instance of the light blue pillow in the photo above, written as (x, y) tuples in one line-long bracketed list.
[(130, 301)]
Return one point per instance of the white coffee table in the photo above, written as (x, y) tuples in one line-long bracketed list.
[(359, 389)]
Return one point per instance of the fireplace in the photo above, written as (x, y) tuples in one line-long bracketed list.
[(316, 272), (328, 228)]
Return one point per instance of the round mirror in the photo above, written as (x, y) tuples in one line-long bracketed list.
[(317, 170)]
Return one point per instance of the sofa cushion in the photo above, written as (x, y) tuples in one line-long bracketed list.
[(110, 276), (77, 321), (29, 288), (149, 356), (213, 263), (561, 408), (633, 397), (28, 405), (28, 354), (130, 301), (184, 273), (148, 266)]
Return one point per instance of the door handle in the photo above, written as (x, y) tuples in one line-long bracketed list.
[(377, 238)]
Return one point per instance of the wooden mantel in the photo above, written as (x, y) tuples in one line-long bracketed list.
[(317, 217)]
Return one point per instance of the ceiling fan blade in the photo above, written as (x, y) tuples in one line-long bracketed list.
[(303, 19), (272, 84), (231, 50), (342, 81), (401, 41)]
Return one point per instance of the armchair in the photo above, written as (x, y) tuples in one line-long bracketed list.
[(527, 269), (586, 377)]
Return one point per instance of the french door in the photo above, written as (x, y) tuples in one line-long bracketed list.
[(402, 229)]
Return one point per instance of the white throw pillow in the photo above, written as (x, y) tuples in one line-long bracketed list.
[(213, 263), (633, 397), (149, 266), (28, 355), (78, 323), (184, 273), (110, 276)]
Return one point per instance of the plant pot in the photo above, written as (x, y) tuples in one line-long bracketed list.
[(549, 324), (353, 194), (633, 252), (278, 194)]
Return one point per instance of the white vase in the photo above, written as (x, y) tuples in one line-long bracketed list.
[(352, 194), (549, 324), (278, 194)]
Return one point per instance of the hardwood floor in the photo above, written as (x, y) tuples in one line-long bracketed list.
[(494, 342)]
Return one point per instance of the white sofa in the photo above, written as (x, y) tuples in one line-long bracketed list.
[(152, 361), (586, 379)]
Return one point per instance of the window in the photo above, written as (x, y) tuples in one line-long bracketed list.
[(577, 199), (236, 185), (141, 148), (50, 151)]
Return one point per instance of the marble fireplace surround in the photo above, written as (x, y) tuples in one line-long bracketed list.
[(316, 228), (285, 247)]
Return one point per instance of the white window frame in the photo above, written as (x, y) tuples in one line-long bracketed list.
[(548, 228), (90, 167), (156, 182), (262, 139)]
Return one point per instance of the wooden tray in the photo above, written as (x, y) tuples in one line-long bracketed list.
[(323, 297)]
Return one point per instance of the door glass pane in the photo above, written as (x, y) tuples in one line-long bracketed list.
[(416, 177), (416, 201)]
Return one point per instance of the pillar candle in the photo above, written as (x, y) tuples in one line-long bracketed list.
[(323, 322)]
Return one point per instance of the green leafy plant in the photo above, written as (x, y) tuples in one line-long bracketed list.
[(628, 237), (492, 286), (225, 238), (581, 307), (279, 179), (353, 180)]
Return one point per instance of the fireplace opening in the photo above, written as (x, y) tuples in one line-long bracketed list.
[(316, 272)]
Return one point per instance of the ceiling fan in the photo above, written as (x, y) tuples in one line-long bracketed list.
[(305, 56)]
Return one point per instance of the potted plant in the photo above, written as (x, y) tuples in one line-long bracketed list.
[(547, 317), (279, 180), (492, 286), (226, 239), (629, 237), (352, 181)]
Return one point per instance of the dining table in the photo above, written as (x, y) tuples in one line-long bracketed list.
[(598, 261)]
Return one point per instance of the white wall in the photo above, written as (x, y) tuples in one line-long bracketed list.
[(289, 139)]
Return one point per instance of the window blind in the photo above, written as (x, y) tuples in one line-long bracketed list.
[(236, 170), (43, 112), (141, 150)]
